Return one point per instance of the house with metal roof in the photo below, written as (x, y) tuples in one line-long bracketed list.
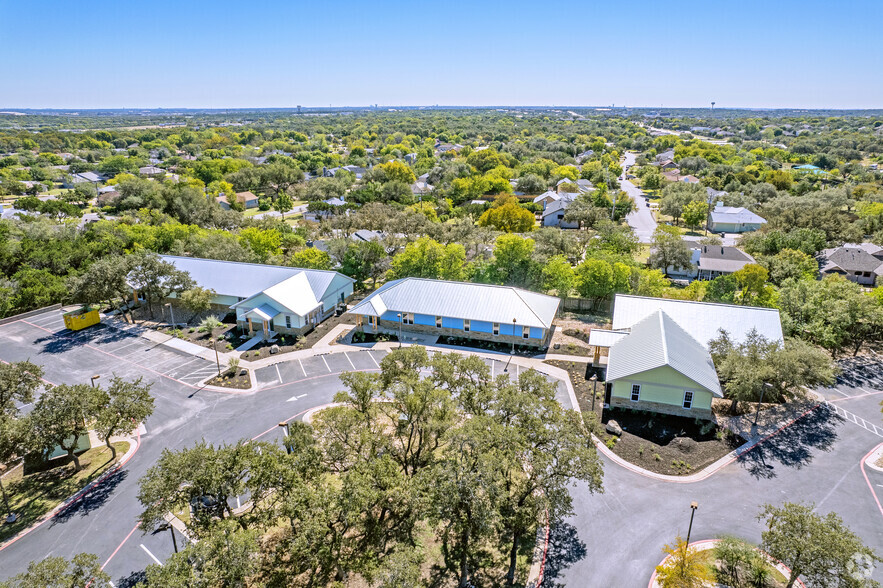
[(859, 262), (459, 309), (730, 219), (553, 213), (268, 298), (659, 366), (658, 356)]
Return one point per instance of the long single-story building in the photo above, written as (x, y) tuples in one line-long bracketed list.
[(658, 356), (460, 309), (269, 298)]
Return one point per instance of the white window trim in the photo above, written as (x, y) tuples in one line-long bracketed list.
[(287, 321), (496, 328), (466, 325), (632, 393), (684, 401), (525, 332), (438, 322)]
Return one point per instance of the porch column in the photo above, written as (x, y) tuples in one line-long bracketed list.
[(250, 328)]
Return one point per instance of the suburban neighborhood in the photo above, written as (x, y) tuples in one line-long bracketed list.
[(269, 319)]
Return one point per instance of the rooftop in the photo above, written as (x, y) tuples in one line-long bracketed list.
[(484, 302)]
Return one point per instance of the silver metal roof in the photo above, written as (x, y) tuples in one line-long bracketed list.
[(729, 214), (605, 338), (243, 280), (701, 320), (657, 341), (481, 302)]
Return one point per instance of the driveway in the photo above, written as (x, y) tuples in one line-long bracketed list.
[(641, 221)]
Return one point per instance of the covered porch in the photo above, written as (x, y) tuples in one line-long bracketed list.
[(260, 319)]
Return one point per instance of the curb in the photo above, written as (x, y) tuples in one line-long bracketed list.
[(706, 544), (538, 566), (134, 445), (871, 459)]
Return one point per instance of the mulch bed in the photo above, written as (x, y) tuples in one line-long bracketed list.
[(363, 337), (228, 379), (520, 350), (659, 443)]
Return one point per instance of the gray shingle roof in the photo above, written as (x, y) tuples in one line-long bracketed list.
[(723, 259), (482, 302), (701, 320), (656, 341), (243, 280), (851, 258)]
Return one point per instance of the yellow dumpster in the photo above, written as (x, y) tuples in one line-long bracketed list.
[(82, 318)]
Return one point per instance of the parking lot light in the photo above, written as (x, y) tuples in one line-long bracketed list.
[(93, 378)]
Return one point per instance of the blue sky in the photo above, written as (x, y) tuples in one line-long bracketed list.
[(268, 53)]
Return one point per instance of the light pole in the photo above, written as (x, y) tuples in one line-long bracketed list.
[(93, 378), (400, 328), (693, 506), (172, 530), (757, 412), (217, 359), (11, 517), (287, 432), (594, 380), (512, 353), (171, 312)]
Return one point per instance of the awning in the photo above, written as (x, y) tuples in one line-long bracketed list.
[(264, 312)]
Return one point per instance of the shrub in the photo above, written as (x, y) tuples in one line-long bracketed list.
[(209, 323), (233, 365), (611, 442)]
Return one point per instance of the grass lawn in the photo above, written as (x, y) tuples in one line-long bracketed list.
[(35, 493), (254, 211)]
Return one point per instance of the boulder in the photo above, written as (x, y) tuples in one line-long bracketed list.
[(243, 372), (274, 350), (613, 428), (684, 444)]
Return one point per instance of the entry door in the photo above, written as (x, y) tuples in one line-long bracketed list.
[(608, 392)]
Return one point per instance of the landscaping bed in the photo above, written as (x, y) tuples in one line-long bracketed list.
[(667, 444), (282, 343), (34, 489), (363, 337), (664, 444), (521, 350), (232, 378)]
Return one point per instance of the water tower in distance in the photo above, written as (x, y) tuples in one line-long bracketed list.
[(712, 105)]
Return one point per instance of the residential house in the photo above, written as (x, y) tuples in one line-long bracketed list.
[(421, 188), (546, 197), (269, 299), (859, 262), (82, 178), (246, 199), (458, 309), (584, 186), (688, 179), (410, 158), (729, 219), (720, 260), (658, 356), (666, 165), (553, 213), (151, 171), (672, 176)]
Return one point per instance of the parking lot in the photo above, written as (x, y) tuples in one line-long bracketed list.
[(122, 351)]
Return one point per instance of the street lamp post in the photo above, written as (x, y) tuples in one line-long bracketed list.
[(171, 312), (757, 412), (93, 378), (217, 359), (512, 353), (594, 380), (693, 506), (401, 318)]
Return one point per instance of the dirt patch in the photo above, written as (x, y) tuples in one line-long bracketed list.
[(232, 379), (571, 334), (660, 443)]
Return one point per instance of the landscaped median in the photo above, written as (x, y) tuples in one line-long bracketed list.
[(38, 490)]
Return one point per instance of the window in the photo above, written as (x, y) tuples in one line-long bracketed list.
[(466, 325), (525, 332), (287, 321), (496, 328), (636, 392), (407, 318), (438, 322), (688, 399)]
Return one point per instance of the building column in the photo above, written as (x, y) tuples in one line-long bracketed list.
[(250, 328)]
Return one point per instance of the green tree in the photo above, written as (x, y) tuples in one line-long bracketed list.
[(18, 383), (669, 250), (558, 276), (695, 213), (427, 258), (263, 242), (283, 203), (683, 568), (311, 258), (84, 569), (364, 260), (818, 548), (59, 418), (508, 216), (513, 262), (394, 171), (155, 278), (595, 280), (121, 408), (789, 263), (197, 299), (104, 281)]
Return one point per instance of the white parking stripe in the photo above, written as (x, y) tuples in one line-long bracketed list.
[(349, 360), (153, 557), (302, 367), (278, 374), (371, 355), (183, 364), (326, 363)]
